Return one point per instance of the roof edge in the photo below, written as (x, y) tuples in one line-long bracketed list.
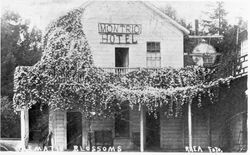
[(154, 8), (85, 4), (176, 24)]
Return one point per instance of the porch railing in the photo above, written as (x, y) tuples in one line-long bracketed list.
[(119, 70), (236, 67), (124, 70), (241, 66)]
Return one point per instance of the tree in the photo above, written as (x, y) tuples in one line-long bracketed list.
[(10, 121), (227, 46), (19, 46), (216, 24), (29, 47), (9, 38), (172, 13)]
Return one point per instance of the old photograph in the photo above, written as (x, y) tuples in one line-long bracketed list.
[(124, 76)]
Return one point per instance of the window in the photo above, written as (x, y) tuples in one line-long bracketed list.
[(122, 121), (153, 54)]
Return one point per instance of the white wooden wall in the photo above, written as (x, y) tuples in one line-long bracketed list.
[(154, 28), (58, 126)]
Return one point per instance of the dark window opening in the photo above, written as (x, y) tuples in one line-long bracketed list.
[(122, 121), (153, 54), (74, 129)]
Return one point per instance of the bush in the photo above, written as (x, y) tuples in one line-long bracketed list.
[(10, 120)]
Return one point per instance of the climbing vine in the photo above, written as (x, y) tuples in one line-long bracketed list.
[(66, 78)]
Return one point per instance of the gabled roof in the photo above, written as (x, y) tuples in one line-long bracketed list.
[(160, 13), (155, 9)]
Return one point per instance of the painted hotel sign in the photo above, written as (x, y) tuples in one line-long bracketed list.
[(119, 33)]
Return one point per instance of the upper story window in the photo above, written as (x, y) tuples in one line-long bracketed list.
[(153, 54)]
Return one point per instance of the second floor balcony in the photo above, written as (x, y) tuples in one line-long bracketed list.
[(235, 67), (124, 70)]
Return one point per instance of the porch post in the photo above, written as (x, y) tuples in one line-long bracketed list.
[(190, 124), (24, 127), (84, 131), (142, 129), (52, 127)]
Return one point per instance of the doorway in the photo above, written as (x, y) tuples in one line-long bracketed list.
[(121, 57), (153, 131), (38, 123), (74, 129)]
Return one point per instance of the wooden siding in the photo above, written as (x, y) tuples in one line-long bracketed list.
[(108, 124), (154, 29), (172, 133), (59, 129), (200, 132)]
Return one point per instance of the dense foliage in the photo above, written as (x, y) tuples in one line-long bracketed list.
[(10, 121), (67, 79)]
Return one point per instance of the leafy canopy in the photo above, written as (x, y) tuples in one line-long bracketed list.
[(67, 79)]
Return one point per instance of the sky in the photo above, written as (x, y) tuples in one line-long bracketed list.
[(42, 12)]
